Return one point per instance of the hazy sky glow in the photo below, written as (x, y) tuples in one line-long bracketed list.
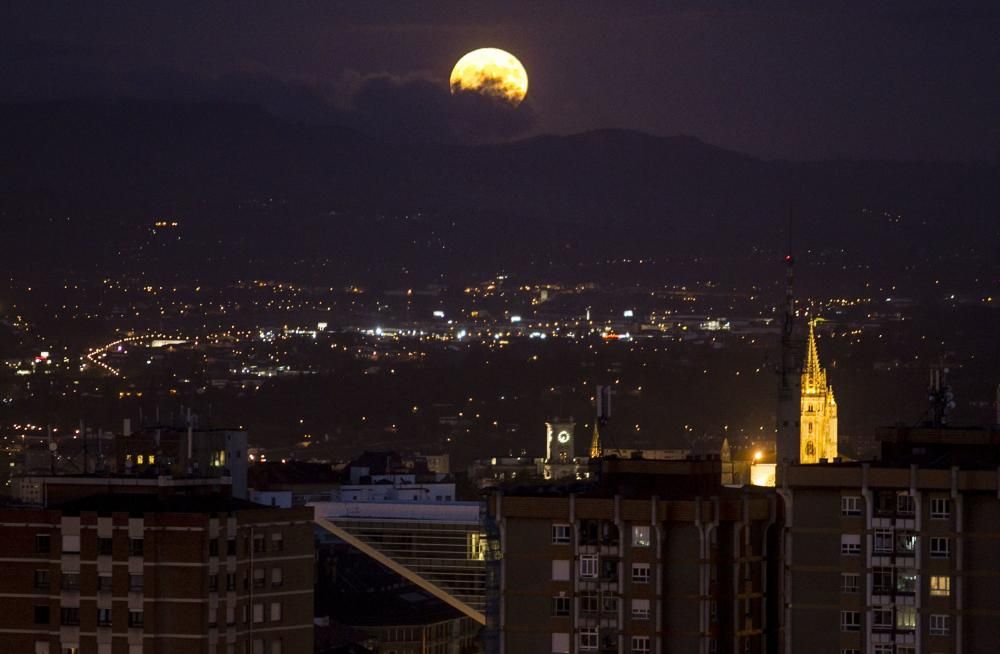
[(870, 80)]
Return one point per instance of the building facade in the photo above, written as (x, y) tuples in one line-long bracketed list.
[(140, 574), (895, 557), (657, 557)]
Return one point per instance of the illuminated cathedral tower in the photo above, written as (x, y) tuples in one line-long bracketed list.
[(818, 421)]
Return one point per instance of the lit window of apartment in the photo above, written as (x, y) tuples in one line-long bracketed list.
[(940, 586), (850, 505), (940, 508), (640, 536), (560, 570), (640, 609), (588, 638), (906, 542), (640, 645), (849, 582), (940, 547), (906, 580), (882, 618), (883, 541), (560, 606), (906, 617), (850, 544), (560, 534), (588, 566), (640, 573), (850, 621), (560, 643), (940, 625), (905, 504)]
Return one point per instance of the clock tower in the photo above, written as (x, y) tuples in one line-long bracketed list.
[(559, 441)]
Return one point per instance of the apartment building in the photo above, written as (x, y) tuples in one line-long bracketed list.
[(144, 573), (899, 556), (651, 557)]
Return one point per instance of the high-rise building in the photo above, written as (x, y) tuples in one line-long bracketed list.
[(132, 574), (654, 557), (897, 556), (818, 420)]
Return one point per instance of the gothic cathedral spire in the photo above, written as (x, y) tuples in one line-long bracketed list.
[(818, 421)]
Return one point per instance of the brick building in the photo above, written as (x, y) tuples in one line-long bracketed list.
[(138, 574)]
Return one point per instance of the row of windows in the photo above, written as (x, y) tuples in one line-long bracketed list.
[(905, 582), (257, 646), (887, 541), (591, 567), (561, 535), (259, 579), (71, 581), (901, 502), (71, 616), (593, 603), (905, 619), (259, 545), (274, 613), (71, 545)]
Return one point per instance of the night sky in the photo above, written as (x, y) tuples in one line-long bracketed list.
[(897, 80)]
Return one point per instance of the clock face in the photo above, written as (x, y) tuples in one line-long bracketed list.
[(563, 436)]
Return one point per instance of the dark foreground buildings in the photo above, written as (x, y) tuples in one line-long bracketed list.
[(162, 571), (895, 556), (656, 557)]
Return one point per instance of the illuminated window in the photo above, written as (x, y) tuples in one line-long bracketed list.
[(906, 617), (140, 459), (152, 459), (940, 586), (640, 536)]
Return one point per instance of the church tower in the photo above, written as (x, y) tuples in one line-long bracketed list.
[(818, 419)]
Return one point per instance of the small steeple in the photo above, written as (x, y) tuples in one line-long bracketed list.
[(813, 376), (596, 450)]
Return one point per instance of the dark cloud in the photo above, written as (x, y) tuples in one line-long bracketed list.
[(419, 109)]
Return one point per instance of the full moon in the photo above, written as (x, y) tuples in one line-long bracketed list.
[(492, 72)]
